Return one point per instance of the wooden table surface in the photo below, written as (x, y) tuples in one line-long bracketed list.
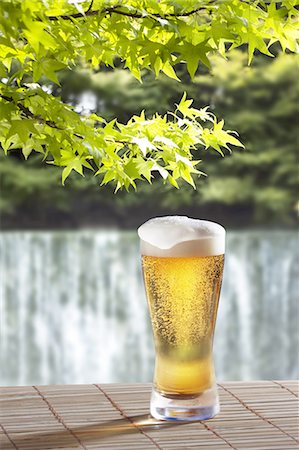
[(258, 415)]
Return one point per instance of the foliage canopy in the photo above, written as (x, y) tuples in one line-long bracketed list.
[(40, 38), (259, 186)]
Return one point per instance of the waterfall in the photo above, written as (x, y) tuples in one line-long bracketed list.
[(73, 308)]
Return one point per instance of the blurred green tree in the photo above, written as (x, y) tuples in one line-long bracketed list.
[(257, 186)]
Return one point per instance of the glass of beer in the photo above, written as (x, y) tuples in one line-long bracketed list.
[(182, 262)]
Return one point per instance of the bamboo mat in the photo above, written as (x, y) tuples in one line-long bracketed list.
[(257, 415)]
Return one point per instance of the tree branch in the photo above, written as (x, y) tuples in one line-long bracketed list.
[(27, 113), (90, 6), (115, 10), (136, 15)]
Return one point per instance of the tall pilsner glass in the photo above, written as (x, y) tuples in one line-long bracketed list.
[(182, 261)]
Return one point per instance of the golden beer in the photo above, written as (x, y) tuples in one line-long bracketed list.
[(183, 298), (182, 262)]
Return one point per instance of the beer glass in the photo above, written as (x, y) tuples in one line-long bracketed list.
[(182, 262)]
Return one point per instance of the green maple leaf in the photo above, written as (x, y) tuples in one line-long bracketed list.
[(256, 42), (21, 128)]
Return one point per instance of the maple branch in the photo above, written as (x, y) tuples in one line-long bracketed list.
[(27, 113), (137, 15), (90, 6), (114, 10)]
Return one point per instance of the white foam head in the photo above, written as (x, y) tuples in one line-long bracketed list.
[(181, 236)]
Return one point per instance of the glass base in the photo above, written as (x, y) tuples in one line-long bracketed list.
[(185, 407)]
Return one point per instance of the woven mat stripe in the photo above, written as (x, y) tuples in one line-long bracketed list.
[(123, 414), (59, 418), (258, 414), (218, 435), (8, 437), (120, 410), (285, 387)]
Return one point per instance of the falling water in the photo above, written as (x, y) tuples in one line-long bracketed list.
[(73, 308)]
